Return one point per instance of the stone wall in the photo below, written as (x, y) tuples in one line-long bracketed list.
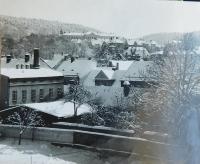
[(132, 145), (45, 134)]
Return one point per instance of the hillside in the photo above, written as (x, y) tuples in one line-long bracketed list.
[(20, 27), (163, 38)]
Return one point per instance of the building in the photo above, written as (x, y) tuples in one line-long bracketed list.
[(114, 82), (137, 53), (89, 36), (30, 85)]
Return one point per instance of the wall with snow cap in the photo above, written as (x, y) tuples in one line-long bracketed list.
[(101, 141), (44, 134)]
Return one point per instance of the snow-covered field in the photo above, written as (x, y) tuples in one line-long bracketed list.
[(40, 152)]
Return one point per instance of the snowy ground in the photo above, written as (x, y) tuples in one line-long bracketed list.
[(40, 152)]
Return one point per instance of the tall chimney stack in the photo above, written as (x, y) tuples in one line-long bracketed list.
[(36, 58), (117, 66), (27, 58)]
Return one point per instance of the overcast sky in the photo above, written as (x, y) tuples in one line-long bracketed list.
[(132, 18)]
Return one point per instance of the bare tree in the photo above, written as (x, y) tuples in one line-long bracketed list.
[(25, 118), (78, 95), (176, 90)]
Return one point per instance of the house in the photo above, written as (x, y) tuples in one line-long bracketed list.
[(137, 53), (29, 85), (114, 82), (104, 77)]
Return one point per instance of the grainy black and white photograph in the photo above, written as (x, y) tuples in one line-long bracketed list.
[(99, 82)]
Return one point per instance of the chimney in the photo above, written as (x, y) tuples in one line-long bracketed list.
[(36, 58), (65, 56), (72, 59), (8, 58), (117, 66), (110, 64), (126, 85), (27, 58)]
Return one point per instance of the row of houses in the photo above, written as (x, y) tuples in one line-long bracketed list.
[(44, 80)]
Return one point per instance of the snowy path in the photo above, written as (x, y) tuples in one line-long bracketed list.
[(42, 153)]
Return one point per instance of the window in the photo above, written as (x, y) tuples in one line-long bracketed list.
[(24, 96), (27, 66), (50, 93), (104, 82), (33, 95), (14, 97), (59, 92), (41, 94)]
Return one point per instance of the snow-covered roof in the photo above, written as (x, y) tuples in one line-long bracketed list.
[(123, 65), (108, 72), (98, 41), (79, 67), (13, 73), (157, 53), (120, 41), (74, 34), (137, 70), (20, 61), (59, 108), (57, 58)]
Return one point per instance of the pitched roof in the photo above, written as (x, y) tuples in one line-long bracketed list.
[(55, 61), (59, 108), (123, 65), (80, 66), (137, 70)]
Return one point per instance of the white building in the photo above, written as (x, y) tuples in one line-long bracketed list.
[(20, 86), (29, 85)]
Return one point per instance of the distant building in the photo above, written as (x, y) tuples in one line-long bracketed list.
[(23, 85), (137, 53), (89, 35)]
